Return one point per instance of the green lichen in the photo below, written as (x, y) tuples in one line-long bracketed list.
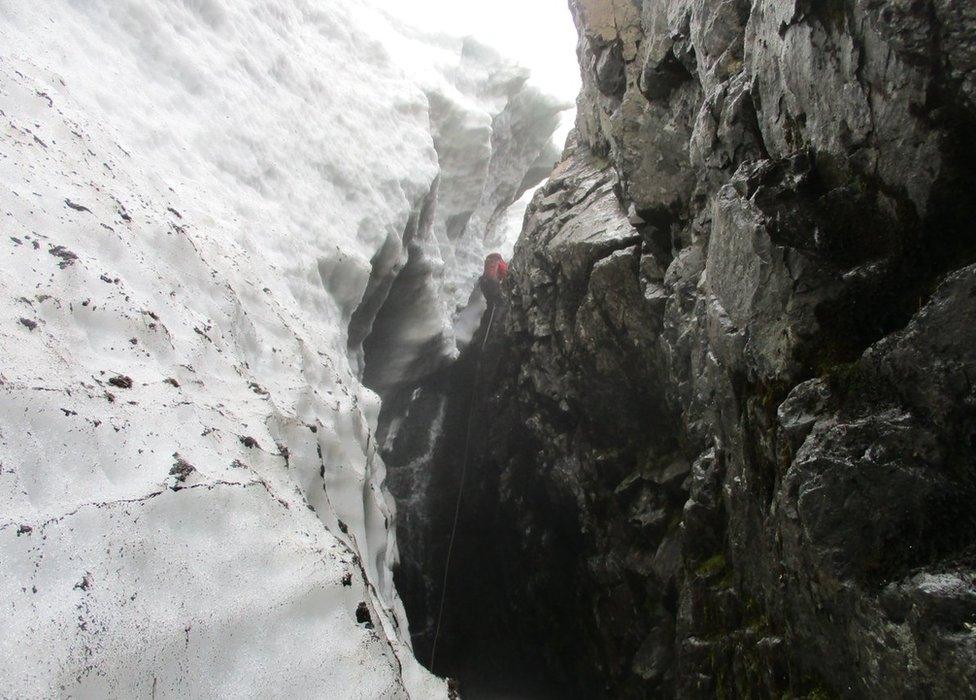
[(754, 616), (820, 692), (711, 566), (813, 688), (850, 380)]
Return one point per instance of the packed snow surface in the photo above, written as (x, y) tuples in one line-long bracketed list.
[(197, 195)]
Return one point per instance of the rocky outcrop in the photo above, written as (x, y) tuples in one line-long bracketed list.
[(723, 426)]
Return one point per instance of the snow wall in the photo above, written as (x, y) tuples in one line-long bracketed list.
[(204, 205)]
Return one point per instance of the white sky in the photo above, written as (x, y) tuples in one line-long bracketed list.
[(539, 34)]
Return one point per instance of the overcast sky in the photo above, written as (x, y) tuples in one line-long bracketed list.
[(539, 34)]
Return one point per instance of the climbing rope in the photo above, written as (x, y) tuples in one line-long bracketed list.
[(457, 507)]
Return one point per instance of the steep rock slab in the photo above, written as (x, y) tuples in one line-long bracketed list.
[(755, 476)]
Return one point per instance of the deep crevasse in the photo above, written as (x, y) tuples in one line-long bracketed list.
[(196, 197)]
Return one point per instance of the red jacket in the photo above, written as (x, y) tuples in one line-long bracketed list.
[(496, 268)]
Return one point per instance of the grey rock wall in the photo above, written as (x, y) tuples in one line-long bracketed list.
[(726, 442)]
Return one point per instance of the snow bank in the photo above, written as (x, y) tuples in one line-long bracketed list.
[(198, 196), (493, 133)]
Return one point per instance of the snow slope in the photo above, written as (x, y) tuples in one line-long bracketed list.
[(196, 196)]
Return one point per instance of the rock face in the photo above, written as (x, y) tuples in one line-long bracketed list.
[(723, 426)]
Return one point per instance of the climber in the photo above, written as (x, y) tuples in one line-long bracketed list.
[(496, 270)]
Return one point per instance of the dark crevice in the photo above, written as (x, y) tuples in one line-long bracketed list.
[(660, 80), (657, 232), (398, 300)]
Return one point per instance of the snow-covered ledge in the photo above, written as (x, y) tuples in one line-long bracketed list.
[(195, 196)]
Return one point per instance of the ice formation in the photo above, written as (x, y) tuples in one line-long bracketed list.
[(493, 133), (202, 200)]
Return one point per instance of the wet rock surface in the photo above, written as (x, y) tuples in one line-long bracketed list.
[(724, 437)]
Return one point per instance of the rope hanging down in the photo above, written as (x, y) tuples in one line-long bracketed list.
[(457, 507)]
